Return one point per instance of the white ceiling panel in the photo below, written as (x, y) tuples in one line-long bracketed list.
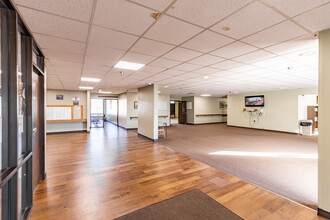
[(61, 55), (182, 54), (307, 41), (228, 64), (207, 41), (123, 16), (206, 60), (151, 69), (251, 19), (295, 7), (165, 63), (317, 19), (95, 68), (276, 34), (233, 50), (170, 30), (100, 61), (137, 58), (151, 47), (75, 9), (157, 5), (110, 38), (54, 25), (206, 70), (54, 43), (104, 52), (187, 67), (254, 56), (205, 12)]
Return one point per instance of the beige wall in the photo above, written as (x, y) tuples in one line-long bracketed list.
[(280, 111), (67, 100), (131, 112), (148, 112), (207, 105), (324, 120)]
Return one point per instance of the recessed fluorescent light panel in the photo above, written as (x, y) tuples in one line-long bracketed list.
[(90, 79), (206, 95), (85, 87), (129, 65)]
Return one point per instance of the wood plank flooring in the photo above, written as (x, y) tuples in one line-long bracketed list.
[(111, 172)]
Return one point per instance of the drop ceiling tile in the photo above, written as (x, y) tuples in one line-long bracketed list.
[(276, 34), (295, 7), (123, 16), (182, 54), (95, 68), (54, 43), (206, 60), (205, 12), (75, 9), (170, 30), (100, 61), (205, 70), (251, 19), (54, 25), (151, 47), (172, 72), (165, 63), (254, 56), (110, 38), (207, 41), (157, 5), (226, 65), (187, 67), (151, 69), (104, 52), (307, 41), (137, 58), (233, 50), (61, 55), (316, 19)]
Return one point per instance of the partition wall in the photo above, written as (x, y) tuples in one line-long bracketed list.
[(22, 137)]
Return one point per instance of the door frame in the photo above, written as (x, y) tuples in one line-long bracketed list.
[(180, 110)]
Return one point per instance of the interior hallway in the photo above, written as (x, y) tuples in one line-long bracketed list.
[(111, 172), (292, 174)]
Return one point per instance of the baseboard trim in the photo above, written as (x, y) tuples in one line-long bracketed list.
[(150, 139), (262, 129), (206, 123), (323, 213), (63, 132)]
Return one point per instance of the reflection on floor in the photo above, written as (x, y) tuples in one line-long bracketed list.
[(111, 172), (282, 163)]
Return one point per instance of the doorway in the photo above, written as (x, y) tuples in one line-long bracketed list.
[(182, 112), (174, 111), (111, 111), (97, 113)]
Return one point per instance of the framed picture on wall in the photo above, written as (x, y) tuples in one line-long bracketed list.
[(59, 97), (136, 105)]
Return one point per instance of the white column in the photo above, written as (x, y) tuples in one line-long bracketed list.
[(324, 123)]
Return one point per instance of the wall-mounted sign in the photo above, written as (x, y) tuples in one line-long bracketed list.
[(136, 106), (75, 100), (59, 97)]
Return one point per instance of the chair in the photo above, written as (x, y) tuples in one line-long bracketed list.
[(162, 129)]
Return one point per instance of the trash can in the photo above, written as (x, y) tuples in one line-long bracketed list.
[(306, 127)]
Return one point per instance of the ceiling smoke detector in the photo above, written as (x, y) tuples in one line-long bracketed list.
[(226, 28), (155, 15), (121, 72)]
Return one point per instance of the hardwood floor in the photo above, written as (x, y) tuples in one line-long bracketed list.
[(111, 172)]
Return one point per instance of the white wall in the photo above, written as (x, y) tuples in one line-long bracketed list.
[(67, 100), (148, 112), (164, 98), (122, 110), (131, 112), (207, 105), (280, 111), (303, 102)]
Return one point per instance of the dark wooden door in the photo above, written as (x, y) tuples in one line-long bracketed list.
[(35, 129), (172, 109), (182, 112)]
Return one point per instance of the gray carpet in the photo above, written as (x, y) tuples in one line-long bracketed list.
[(280, 171), (192, 205)]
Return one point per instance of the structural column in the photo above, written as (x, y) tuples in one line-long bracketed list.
[(88, 111), (324, 124), (148, 112)]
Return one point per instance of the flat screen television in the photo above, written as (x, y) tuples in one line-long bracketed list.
[(255, 101)]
